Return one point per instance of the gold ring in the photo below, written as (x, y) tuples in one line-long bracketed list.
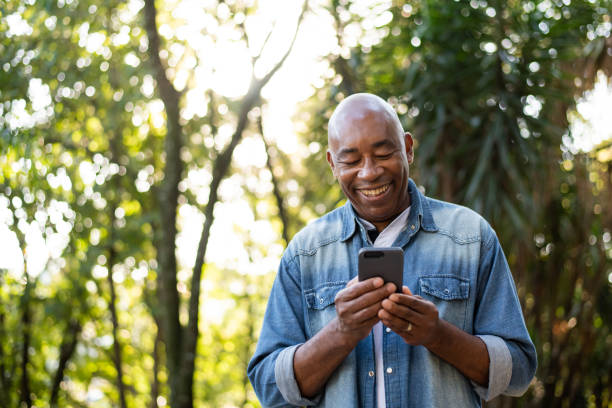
[(409, 327)]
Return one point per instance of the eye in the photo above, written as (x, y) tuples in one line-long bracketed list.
[(350, 162), (384, 156)]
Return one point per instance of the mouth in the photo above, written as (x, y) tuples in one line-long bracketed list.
[(374, 192)]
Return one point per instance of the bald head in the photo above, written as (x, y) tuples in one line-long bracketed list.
[(370, 156), (358, 107)]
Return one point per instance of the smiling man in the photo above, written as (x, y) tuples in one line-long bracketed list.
[(453, 336)]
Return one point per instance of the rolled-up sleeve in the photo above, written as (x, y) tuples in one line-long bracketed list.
[(271, 367), (499, 322), (285, 378), (500, 368)]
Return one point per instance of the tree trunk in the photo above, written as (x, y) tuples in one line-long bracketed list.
[(278, 195), (155, 380), (181, 343), (5, 383), (69, 342), (117, 360), (168, 202), (26, 321)]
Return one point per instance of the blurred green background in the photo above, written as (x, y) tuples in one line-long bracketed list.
[(156, 157)]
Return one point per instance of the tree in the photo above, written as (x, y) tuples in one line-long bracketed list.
[(86, 91), (181, 342), (485, 88)]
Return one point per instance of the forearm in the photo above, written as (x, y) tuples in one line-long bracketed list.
[(467, 353), (317, 359)]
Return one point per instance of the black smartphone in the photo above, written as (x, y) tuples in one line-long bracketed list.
[(388, 263)]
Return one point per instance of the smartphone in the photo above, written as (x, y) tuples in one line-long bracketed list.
[(388, 263)]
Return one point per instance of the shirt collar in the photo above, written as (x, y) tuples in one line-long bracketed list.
[(388, 235), (420, 213)]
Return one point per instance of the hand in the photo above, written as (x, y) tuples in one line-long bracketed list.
[(357, 306), (412, 317)]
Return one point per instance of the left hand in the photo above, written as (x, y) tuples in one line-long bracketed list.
[(412, 317)]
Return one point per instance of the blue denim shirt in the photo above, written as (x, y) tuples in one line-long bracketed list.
[(452, 257)]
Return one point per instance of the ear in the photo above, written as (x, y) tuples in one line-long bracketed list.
[(408, 143), (330, 160)]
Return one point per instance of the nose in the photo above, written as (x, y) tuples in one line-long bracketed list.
[(370, 169)]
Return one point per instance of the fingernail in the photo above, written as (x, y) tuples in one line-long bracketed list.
[(378, 282)]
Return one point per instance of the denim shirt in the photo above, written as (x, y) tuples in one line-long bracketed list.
[(452, 258)]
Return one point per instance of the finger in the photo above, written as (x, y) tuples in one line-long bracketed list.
[(364, 315), (394, 323), (370, 322), (352, 281), (406, 290), (413, 302), (400, 328), (394, 311), (369, 298), (359, 288)]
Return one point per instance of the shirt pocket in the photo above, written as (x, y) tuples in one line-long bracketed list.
[(449, 293), (321, 305)]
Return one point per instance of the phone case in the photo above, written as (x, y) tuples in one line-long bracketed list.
[(388, 263)]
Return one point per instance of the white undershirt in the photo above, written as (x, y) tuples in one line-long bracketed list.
[(385, 239)]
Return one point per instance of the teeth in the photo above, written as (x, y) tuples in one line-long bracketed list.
[(376, 191)]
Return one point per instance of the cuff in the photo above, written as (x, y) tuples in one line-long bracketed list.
[(500, 368), (285, 378)]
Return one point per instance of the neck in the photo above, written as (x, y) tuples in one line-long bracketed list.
[(382, 224)]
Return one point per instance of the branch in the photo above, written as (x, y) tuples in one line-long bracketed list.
[(220, 169), (265, 42), (282, 212), (341, 65), (212, 112), (67, 348), (256, 57), (269, 75)]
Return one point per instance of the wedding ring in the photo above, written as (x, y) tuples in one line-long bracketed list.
[(409, 327)]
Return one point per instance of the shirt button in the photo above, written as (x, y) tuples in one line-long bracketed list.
[(446, 291), (412, 227), (371, 373), (321, 300), (389, 370), (388, 330)]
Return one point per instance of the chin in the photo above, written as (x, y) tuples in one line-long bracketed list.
[(377, 216)]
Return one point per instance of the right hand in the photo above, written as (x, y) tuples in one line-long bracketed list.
[(357, 307)]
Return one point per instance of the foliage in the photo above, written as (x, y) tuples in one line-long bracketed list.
[(83, 131), (484, 87), (109, 141)]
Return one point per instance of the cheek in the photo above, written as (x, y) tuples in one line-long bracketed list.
[(400, 171), (344, 177)]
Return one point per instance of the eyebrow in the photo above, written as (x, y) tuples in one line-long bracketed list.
[(382, 143)]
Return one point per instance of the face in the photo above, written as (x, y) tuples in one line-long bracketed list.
[(371, 163)]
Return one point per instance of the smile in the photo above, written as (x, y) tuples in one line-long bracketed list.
[(375, 191)]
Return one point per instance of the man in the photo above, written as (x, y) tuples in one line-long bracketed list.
[(455, 333)]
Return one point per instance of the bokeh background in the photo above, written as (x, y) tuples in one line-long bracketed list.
[(157, 156)]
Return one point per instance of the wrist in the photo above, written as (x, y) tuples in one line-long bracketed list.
[(345, 340), (437, 336)]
